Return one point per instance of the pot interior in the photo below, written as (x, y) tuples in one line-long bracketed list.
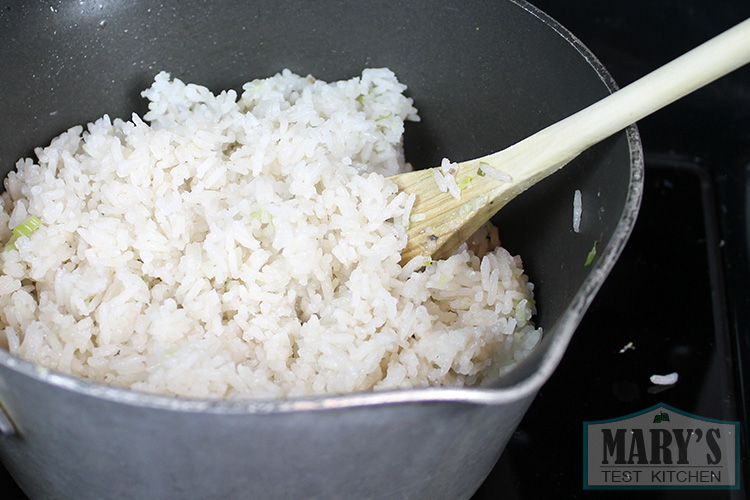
[(482, 74)]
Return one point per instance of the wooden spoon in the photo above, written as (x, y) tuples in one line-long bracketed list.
[(440, 222)]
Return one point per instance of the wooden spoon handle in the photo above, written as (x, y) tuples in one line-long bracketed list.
[(448, 222)]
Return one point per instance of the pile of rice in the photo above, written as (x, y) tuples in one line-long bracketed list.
[(240, 248)]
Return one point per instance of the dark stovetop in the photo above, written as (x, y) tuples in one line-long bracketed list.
[(679, 292)]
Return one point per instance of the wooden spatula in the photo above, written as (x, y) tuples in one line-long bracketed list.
[(440, 222)]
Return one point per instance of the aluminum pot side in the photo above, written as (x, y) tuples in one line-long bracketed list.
[(70, 445)]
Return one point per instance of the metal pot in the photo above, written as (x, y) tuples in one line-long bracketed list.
[(466, 64)]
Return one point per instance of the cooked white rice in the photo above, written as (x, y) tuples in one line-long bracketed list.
[(668, 379), (445, 177), (235, 248), (577, 211)]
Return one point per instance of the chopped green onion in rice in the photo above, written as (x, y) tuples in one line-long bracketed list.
[(591, 255), (26, 228)]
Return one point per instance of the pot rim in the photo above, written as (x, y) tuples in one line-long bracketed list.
[(559, 335)]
